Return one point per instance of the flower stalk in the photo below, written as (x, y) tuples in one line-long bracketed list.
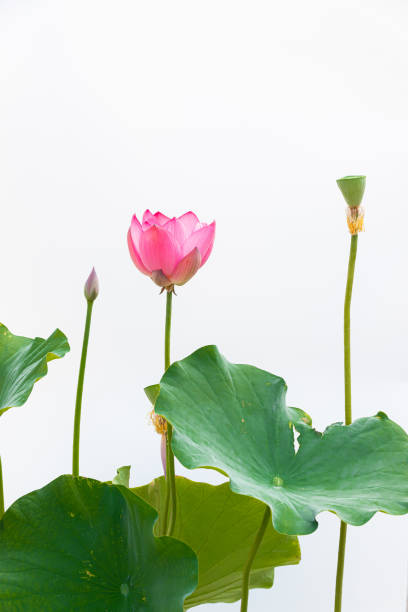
[(170, 504), (352, 188), (347, 304), (91, 291)]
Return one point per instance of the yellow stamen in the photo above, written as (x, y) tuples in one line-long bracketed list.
[(355, 219), (159, 422)]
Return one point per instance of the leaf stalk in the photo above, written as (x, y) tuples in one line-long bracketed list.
[(252, 554)]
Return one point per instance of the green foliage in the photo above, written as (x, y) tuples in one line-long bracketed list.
[(23, 361), (122, 476), (79, 544), (296, 415), (220, 526), (152, 393), (234, 418)]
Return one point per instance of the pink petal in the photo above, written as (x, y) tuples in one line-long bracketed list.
[(203, 239), (135, 255), (158, 250), (156, 219), (187, 267), (136, 231), (91, 289), (189, 222), (160, 279), (147, 218), (160, 219), (176, 230)]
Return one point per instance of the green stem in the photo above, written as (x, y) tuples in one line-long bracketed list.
[(347, 303), (340, 566), (167, 331), (78, 402), (247, 570), (172, 481), (347, 408), (167, 495), (170, 504), (1, 492)]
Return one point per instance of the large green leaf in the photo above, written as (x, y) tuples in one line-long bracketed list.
[(122, 476), (23, 361), (234, 417), (296, 415), (79, 544), (220, 526)]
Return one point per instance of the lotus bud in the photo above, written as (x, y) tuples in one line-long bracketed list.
[(91, 289)]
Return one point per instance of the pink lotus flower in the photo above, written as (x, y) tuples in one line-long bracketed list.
[(170, 251)]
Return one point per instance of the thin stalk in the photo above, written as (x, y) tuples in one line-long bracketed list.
[(172, 481), (340, 566), (1, 492), (167, 331), (255, 547), (78, 402), (170, 504), (347, 303), (347, 408)]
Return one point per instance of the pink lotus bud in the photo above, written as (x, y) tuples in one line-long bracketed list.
[(170, 251), (91, 288)]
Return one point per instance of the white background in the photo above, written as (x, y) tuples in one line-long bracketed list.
[(245, 112)]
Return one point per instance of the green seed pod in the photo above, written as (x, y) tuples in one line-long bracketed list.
[(352, 188)]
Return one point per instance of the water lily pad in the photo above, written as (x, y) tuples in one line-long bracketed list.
[(23, 361), (296, 415), (79, 544), (220, 526), (234, 417)]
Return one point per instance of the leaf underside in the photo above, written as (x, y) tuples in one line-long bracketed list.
[(220, 526), (23, 361)]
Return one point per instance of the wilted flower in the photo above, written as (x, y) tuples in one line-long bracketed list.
[(352, 188), (170, 251)]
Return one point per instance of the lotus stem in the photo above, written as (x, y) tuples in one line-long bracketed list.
[(347, 303), (340, 566), (170, 504), (347, 408), (255, 547), (78, 402)]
